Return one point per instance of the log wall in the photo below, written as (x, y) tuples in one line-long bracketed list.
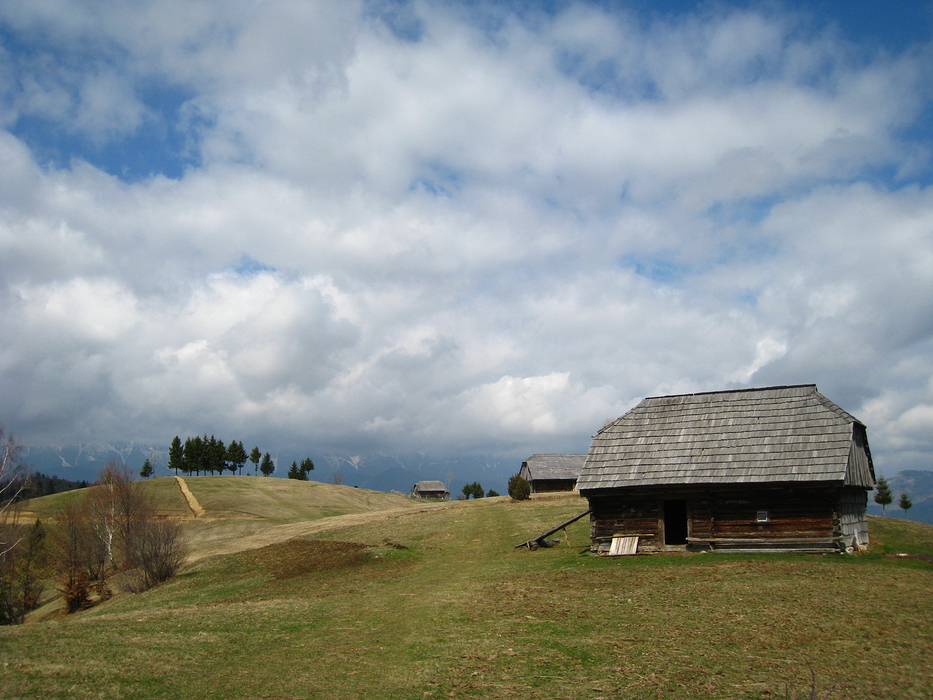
[(726, 516), (552, 485)]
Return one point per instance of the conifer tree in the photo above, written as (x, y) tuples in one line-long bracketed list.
[(147, 469), (194, 455), (883, 495), (236, 456), (905, 503), (254, 457), (176, 455), (306, 466), (216, 455), (268, 466)]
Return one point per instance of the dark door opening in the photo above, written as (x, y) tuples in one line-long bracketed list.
[(675, 522)]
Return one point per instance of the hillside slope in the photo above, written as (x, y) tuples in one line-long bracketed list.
[(249, 497), (435, 601), (245, 512), (284, 500)]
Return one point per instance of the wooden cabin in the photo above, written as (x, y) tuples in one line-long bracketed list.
[(551, 473), (431, 489), (772, 469)]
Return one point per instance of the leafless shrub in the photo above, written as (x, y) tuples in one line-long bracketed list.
[(79, 555), (157, 550)]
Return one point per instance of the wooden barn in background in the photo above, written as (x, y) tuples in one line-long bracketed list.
[(550, 473), (431, 489), (779, 468)]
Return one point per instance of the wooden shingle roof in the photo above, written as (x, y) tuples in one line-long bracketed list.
[(775, 434), (430, 486), (555, 466)]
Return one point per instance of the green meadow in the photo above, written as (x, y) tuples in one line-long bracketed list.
[(309, 590)]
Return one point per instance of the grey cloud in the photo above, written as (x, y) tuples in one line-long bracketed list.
[(467, 238)]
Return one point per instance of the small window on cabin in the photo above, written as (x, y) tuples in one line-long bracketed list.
[(762, 516)]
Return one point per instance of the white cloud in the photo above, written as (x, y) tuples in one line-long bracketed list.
[(494, 237), (918, 419), (95, 310), (519, 403)]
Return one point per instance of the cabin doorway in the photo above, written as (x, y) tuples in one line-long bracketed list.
[(675, 522)]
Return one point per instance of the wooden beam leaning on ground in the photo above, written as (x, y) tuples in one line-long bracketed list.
[(537, 541)]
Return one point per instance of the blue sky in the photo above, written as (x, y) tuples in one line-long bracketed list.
[(480, 228)]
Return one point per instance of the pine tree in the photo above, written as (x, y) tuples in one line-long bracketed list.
[(217, 456), (147, 469), (194, 455), (295, 473), (236, 456), (176, 455), (210, 447), (268, 466), (306, 466), (883, 495), (254, 457), (905, 503), (205, 461)]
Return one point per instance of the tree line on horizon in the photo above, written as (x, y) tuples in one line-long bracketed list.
[(40, 484), (209, 455)]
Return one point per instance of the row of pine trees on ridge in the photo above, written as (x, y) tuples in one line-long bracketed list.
[(209, 455)]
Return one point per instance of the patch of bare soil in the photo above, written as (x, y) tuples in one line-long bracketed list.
[(298, 557), (195, 507), (928, 558)]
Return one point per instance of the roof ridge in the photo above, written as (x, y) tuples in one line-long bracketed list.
[(736, 391), (558, 454), (835, 408)]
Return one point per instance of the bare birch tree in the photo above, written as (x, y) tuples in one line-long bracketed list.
[(14, 477)]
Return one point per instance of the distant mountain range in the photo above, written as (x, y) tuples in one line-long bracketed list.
[(394, 472)]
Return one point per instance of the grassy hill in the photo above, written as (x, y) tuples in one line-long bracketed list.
[(242, 512), (434, 601), (164, 490), (244, 497)]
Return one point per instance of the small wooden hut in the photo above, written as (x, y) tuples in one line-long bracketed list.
[(778, 468), (431, 489), (551, 473)]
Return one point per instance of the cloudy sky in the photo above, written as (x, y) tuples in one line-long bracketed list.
[(459, 228)]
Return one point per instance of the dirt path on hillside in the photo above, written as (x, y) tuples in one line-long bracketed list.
[(280, 533), (196, 509)]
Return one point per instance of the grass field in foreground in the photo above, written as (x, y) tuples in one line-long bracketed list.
[(459, 612)]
